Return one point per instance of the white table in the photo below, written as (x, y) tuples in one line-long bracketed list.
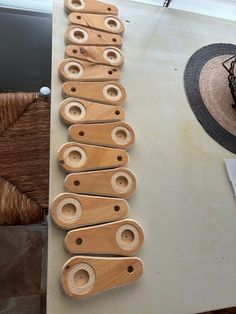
[(184, 200)]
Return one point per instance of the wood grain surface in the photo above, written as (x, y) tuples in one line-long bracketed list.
[(110, 93), (77, 111), (118, 182), (116, 134), (70, 210), (102, 55), (124, 237), (105, 23), (84, 276), (76, 157), (71, 69), (88, 37), (90, 6)]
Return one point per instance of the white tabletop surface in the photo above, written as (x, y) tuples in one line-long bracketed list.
[(184, 200)]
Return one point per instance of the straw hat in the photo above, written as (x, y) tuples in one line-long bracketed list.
[(207, 89)]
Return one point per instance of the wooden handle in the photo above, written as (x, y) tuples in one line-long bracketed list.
[(90, 6), (123, 237), (106, 23), (115, 182), (77, 70), (75, 157), (116, 134), (75, 110), (84, 276), (110, 93), (71, 211), (88, 37), (102, 55)]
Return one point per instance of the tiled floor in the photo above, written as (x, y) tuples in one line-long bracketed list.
[(23, 262)]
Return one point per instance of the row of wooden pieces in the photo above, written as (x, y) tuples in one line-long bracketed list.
[(94, 44), (91, 146), (109, 231), (98, 15), (84, 276), (102, 20), (74, 157), (97, 51), (94, 64), (96, 146), (98, 54)]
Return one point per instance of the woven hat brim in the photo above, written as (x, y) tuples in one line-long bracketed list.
[(191, 83)]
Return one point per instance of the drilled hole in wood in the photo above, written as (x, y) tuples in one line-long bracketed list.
[(79, 241), (76, 183), (61, 162), (81, 278), (76, 3), (114, 40), (74, 69), (81, 133), (75, 110), (119, 158), (130, 269), (73, 89), (116, 208), (122, 181), (67, 266), (127, 236), (78, 17), (117, 112), (112, 23), (112, 91), (68, 210), (112, 55), (121, 135), (75, 50), (108, 9), (79, 34), (99, 36), (110, 72), (75, 156)]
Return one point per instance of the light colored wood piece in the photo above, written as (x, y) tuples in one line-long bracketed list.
[(115, 182), (115, 134), (75, 157), (123, 237), (88, 37), (70, 210), (110, 93), (105, 23), (90, 6), (102, 55), (84, 276), (75, 110), (77, 70)]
